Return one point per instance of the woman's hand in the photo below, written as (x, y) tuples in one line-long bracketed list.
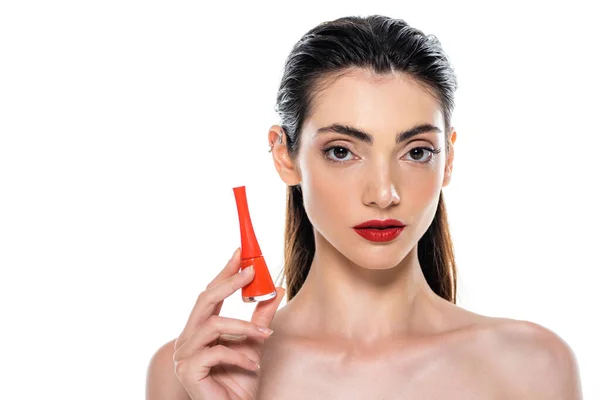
[(215, 367)]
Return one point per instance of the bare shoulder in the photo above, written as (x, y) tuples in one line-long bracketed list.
[(532, 360), (161, 381)]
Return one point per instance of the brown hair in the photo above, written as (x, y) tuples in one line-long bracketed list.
[(383, 45)]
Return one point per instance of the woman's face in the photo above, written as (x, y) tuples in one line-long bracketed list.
[(346, 180)]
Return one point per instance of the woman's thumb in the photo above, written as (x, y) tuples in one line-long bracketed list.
[(265, 310)]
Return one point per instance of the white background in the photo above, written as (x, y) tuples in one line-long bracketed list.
[(125, 125)]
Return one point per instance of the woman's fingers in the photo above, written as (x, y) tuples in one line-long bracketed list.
[(265, 310), (192, 370), (212, 329), (209, 299), (230, 269)]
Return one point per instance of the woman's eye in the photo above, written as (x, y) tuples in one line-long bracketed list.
[(417, 154), (337, 154)]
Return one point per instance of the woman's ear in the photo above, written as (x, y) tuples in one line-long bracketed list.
[(449, 159), (285, 166)]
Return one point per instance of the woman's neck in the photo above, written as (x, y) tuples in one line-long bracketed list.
[(344, 301)]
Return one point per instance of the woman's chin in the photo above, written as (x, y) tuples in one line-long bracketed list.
[(380, 260), (382, 264)]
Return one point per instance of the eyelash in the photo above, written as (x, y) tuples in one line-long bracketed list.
[(430, 160)]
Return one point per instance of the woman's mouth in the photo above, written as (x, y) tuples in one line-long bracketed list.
[(380, 234)]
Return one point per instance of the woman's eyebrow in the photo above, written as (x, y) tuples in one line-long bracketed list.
[(368, 138)]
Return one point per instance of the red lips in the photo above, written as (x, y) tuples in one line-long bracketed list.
[(380, 224)]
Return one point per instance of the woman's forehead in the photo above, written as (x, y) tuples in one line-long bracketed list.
[(381, 103), (365, 96)]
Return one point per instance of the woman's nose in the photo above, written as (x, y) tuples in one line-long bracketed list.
[(381, 189)]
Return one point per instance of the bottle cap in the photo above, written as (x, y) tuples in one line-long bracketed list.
[(250, 247)]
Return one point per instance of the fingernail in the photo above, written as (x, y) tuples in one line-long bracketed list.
[(265, 330), (233, 255), (248, 270), (227, 336)]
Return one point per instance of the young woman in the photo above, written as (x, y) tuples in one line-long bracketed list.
[(365, 147)]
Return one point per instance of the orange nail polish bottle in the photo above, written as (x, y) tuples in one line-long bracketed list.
[(261, 288)]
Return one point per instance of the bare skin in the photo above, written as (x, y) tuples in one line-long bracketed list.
[(480, 358), (471, 357), (365, 323)]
